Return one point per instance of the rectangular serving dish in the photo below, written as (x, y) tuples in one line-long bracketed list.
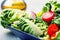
[(22, 35)]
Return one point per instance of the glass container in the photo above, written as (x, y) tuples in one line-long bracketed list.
[(14, 4)]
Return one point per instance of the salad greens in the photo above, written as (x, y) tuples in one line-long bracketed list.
[(8, 16), (57, 36), (21, 21), (40, 23), (27, 26), (43, 24), (56, 19), (51, 5)]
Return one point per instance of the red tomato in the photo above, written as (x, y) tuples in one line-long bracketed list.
[(52, 29)]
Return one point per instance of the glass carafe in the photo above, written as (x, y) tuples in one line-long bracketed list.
[(14, 4)]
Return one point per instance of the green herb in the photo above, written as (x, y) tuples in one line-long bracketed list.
[(57, 36)]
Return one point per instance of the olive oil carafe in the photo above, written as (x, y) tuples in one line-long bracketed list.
[(14, 4)]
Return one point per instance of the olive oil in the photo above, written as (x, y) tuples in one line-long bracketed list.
[(15, 4)]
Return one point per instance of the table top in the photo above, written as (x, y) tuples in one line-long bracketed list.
[(32, 5)]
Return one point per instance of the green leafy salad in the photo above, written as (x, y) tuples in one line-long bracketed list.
[(44, 25)]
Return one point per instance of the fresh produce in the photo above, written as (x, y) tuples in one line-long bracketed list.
[(8, 16), (32, 15), (27, 26), (40, 23), (38, 14), (44, 9), (56, 19), (57, 37), (48, 16), (52, 29), (51, 7), (44, 24)]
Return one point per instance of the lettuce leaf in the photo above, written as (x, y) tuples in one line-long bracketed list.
[(57, 36), (27, 26), (10, 15)]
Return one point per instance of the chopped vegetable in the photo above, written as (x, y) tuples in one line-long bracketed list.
[(44, 9), (56, 19), (57, 37), (10, 15), (32, 15), (27, 26), (38, 14), (40, 23), (44, 24), (48, 16), (52, 29)]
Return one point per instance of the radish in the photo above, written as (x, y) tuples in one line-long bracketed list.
[(48, 16)]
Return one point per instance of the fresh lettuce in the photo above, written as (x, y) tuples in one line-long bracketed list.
[(57, 36), (56, 19), (27, 26), (8, 16)]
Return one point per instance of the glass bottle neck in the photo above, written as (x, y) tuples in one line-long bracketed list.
[(18, 0)]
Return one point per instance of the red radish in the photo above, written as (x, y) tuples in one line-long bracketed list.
[(48, 16)]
